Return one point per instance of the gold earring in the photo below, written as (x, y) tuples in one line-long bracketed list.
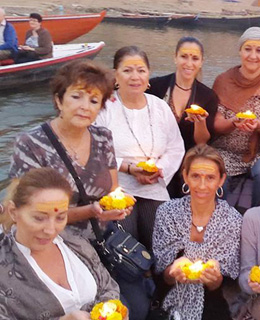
[(148, 86)]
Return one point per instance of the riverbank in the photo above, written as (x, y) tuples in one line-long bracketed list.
[(116, 7)]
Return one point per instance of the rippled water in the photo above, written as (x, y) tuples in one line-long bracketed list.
[(21, 109)]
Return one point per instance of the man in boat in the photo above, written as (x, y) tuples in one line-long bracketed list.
[(38, 42), (8, 38)]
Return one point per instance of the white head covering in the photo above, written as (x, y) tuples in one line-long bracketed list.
[(252, 33)]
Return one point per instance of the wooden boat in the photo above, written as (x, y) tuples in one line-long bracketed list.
[(234, 22), (63, 28), (12, 76), (150, 18)]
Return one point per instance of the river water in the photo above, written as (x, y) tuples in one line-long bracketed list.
[(21, 109)]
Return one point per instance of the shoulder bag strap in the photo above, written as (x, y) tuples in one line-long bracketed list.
[(64, 157)]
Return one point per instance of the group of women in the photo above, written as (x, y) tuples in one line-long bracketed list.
[(105, 134)]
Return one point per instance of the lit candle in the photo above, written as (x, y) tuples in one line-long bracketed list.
[(193, 270), (148, 165), (195, 109), (246, 115), (116, 200), (108, 309)]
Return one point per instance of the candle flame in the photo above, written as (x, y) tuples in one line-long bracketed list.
[(117, 194), (248, 112), (195, 107), (150, 162), (108, 309), (196, 266)]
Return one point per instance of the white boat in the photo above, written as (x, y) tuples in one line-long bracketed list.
[(15, 75)]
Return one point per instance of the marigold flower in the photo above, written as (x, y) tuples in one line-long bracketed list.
[(254, 275), (195, 109), (110, 310), (116, 200), (246, 115), (147, 166)]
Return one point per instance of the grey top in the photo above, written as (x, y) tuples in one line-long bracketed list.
[(250, 246), (23, 296)]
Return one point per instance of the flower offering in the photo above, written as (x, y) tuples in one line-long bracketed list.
[(193, 270), (148, 165), (116, 200), (254, 275), (110, 310), (246, 115), (195, 109)]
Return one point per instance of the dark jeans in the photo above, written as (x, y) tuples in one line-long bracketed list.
[(26, 56), (137, 296)]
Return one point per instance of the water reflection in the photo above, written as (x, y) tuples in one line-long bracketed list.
[(21, 109)]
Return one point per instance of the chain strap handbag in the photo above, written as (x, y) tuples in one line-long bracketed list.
[(118, 250)]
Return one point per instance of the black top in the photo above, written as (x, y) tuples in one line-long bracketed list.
[(200, 95)]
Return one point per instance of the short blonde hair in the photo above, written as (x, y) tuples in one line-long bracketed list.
[(205, 152)]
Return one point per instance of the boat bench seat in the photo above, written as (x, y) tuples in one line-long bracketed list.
[(6, 62)]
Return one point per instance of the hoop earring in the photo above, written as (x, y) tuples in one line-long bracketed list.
[(183, 188), (149, 86), (116, 86), (2, 209), (220, 192)]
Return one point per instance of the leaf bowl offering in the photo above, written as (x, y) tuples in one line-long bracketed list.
[(195, 109), (246, 115), (148, 166), (116, 200)]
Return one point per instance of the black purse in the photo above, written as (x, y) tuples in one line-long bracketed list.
[(119, 251)]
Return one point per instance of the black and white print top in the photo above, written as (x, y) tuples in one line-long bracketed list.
[(221, 242)]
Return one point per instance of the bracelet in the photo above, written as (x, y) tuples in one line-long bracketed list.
[(128, 168)]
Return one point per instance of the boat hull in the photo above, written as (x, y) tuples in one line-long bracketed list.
[(63, 28), (24, 74)]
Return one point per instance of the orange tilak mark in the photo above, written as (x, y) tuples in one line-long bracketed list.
[(203, 167), (191, 51), (62, 205), (138, 62), (252, 42)]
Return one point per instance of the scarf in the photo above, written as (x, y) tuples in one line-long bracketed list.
[(234, 90)]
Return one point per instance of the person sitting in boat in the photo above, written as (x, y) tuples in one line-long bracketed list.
[(8, 38), (238, 90), (32, 285), (198, 227), (38, 42), (182, 89), (80, 89)]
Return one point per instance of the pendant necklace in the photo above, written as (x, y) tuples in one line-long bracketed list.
[(183, 89), (199, 228), (131, 130), (75, 155)]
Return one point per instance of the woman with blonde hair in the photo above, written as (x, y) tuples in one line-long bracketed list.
[(198, 227), (32, 286)]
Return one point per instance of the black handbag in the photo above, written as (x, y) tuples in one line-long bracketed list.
[(118, 250), (123, 254)]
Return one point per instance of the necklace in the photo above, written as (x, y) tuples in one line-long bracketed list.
[(74, 154), (131, 130), (183, 89), (199, 228)]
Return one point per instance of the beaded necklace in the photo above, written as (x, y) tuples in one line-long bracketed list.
[(131, 130)]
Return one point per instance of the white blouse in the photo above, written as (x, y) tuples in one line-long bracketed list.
[(160, 126), (82, 284)]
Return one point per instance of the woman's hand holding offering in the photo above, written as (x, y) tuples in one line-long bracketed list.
[(197, 117), (211, 277), (175, 272), (144, 177), (107, 215), (255, 286)]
